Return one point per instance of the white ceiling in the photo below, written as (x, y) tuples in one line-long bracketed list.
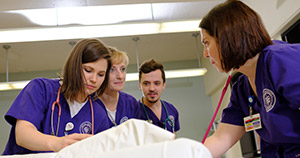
[(51, 55)]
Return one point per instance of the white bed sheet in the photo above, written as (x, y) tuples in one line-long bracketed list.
[(134, 139)]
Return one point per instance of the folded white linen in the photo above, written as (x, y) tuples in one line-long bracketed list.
[(39, 155), (179, 148), (128, 134), (134, 139)]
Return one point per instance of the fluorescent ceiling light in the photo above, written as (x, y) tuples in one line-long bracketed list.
[(88, 15), (173, 74), (129, 77), (185, 73), (61, 33), (13, 85), (183, 26), (132, 77), (45, 17), (104, 14), (119, 20)]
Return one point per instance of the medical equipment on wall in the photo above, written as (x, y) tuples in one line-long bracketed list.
[(69, 125), (167, 120), (217, 109)]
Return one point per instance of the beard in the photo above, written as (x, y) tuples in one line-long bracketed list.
[(152, 101)]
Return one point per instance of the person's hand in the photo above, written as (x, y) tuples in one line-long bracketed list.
[(62, 142), (30, 138)]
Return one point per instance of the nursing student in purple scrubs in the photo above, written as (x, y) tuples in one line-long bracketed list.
[(118, 105), (152, 82), (41, 125), (235, 38)]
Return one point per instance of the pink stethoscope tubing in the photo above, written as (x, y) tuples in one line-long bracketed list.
[(218, 107), (56, 102)]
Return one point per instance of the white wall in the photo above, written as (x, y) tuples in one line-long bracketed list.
[(6, 99), (276, 14)]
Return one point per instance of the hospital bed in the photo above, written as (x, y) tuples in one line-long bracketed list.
[(132, 139)]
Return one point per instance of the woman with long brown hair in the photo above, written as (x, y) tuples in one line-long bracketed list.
[(50, 114)]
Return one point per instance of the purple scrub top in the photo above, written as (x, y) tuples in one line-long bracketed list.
[(163, 121), (34, 103), (127, 108), (278, 88)]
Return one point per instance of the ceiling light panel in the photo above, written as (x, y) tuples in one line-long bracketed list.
[(104, 14), (181, 10), (88, 15), (44, 17)]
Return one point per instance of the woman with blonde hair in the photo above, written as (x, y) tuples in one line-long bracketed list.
[(119, 106)]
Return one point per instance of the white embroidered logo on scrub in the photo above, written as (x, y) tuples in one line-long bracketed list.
[(269, 99), (125, 118), (85, 127)]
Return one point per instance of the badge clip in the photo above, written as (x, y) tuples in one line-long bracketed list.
[(252, 122)]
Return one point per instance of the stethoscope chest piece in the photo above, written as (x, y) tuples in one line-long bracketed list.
[(150, 121), (168, 120)]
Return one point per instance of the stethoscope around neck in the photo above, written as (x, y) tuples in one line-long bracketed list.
[(167, 120), (69, 126)]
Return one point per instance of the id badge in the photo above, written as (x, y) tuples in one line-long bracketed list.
[(252, 122)]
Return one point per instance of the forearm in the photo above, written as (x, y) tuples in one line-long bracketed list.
[(30, 138), (223, 139), (216, 148)]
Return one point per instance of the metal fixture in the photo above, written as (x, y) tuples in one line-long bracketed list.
[(72, 43), (196, 34), (135, 39), (6, 47)]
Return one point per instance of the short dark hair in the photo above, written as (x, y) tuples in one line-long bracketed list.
[(85, 51), (149, 66), (239, 33)]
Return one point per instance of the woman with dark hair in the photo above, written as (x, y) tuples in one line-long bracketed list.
[(50, 114), (266, 98)]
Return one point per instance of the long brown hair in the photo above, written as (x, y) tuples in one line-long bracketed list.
[(239, 33), (85, 51)]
